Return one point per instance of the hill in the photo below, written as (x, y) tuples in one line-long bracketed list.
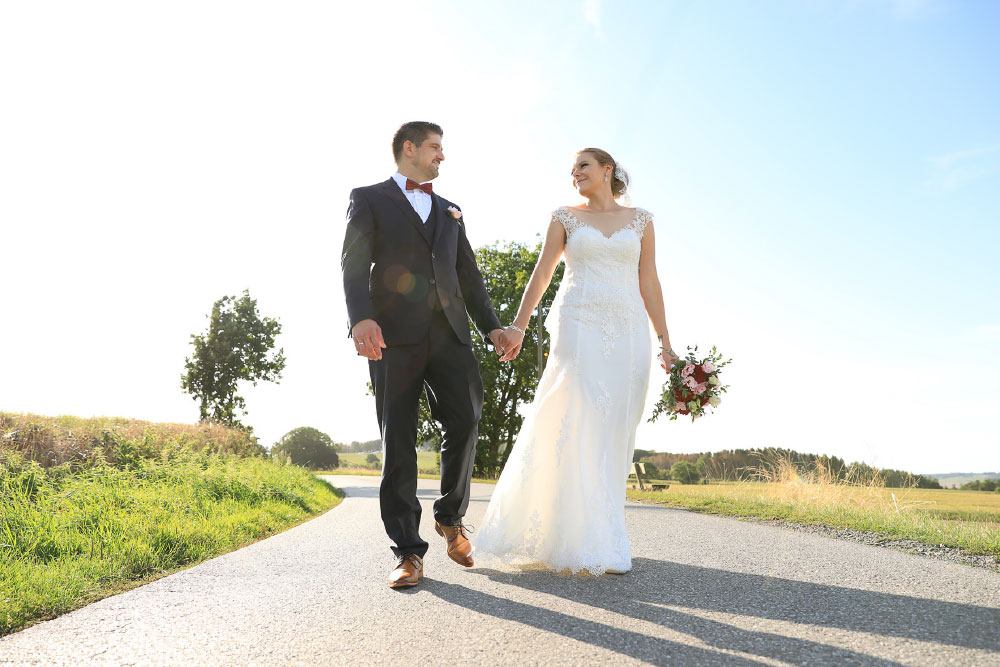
[(953, 480)]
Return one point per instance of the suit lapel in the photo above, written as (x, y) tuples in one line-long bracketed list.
[(397, 196)]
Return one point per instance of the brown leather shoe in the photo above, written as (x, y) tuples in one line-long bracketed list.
[(407, 572), (459, 547)]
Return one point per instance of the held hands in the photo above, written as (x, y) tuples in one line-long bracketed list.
[(507, 343), (368, 339)]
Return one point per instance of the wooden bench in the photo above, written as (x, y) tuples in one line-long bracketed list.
[(640, 469)]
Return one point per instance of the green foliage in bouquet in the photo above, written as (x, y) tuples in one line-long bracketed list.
[(679, 397)]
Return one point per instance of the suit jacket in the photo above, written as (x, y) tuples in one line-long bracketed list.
[(397, 268)]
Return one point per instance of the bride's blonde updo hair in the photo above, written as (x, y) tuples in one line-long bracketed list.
[(619, 177)]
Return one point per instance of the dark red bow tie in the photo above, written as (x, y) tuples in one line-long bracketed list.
[(413, 185)]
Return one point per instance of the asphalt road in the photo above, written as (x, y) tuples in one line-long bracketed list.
[(704, 591)]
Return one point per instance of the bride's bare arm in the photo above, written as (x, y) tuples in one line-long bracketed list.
[(541, 276), (652, 294)]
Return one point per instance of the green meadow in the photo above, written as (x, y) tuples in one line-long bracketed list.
[(120, 503)]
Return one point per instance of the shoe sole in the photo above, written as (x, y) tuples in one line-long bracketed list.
[(403, 585)]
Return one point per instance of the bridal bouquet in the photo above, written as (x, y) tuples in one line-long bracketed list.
[(692, 386)]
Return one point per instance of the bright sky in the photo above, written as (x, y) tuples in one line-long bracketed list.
[(825, 178)]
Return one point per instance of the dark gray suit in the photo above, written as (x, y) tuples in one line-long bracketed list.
[(420, 282)]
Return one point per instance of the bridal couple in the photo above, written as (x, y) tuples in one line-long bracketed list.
[(411, 282)]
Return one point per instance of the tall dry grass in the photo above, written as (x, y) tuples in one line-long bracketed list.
[(818, 484), (53, 441), (857, 500)]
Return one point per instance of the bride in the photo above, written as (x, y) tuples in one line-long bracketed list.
[(560, 500)]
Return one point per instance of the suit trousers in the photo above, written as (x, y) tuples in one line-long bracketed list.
[(449, 371)]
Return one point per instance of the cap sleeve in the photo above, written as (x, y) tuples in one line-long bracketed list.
[(568, 220), (642, 218)]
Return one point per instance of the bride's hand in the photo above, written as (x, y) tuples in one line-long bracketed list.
[(512, 341), (668, 359)]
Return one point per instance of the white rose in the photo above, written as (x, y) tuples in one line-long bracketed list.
[(693, 405), (714, 401), (713, 380)]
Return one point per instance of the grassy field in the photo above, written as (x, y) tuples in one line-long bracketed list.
[(426, 461), (129, 504), (969, 520)]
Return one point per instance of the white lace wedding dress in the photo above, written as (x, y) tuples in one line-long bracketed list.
[(560, 500)]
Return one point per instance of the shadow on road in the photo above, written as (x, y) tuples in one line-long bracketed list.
[(626, 642), (643, 594)]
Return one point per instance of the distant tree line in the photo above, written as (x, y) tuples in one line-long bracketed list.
[(362, 447), (756, 464), (992, 485)]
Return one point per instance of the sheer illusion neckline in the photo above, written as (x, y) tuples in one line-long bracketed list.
[(635, 215)]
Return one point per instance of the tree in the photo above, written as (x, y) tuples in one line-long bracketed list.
[(308, 447), (702, 464), (237, 346), (685, 472), (506, 269), (372, 460)]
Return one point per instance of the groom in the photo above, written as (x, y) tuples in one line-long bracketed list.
[(410, 278)]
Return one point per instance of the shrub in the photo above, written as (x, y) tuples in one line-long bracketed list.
[(307, 447), (685, 472)]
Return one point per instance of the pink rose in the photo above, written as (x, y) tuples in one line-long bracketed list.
[(690, 382), (455, 213), (698, 389), (688, 369), (707, 366)]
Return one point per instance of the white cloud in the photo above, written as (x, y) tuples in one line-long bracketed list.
[(900, 10), (592, 14), (952, 171), (981, 334), (963, 156)]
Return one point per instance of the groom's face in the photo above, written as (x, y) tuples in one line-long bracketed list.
[(426, 158)]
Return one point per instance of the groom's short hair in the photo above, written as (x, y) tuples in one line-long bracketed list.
[(416, 131)]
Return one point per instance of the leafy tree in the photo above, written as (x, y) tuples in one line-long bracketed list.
[(702, 465), (372, 460), (308, 447), (640, 454), (237, 346), (506, 269), (685, 472)]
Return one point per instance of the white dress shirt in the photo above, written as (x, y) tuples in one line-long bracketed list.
[(419, 200)]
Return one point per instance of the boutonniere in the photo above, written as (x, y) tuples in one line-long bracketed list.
[(455, 213)]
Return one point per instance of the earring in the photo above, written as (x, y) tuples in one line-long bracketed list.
[(605, 178)]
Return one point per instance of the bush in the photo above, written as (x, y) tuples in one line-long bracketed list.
[(307, 447), (372, 460), (685, 472)]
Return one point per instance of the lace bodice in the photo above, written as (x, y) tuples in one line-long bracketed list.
[(572, 223), (601, 283)]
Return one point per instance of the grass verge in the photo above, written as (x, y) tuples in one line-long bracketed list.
[(966, 520), (72, 534)]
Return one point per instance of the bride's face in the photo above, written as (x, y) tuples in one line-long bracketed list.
[(589, 174)]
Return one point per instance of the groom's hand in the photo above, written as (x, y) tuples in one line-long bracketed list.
[(510, 344), (497, 338), (368, 339)]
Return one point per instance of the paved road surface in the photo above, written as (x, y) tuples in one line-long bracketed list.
[(704, 591)]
